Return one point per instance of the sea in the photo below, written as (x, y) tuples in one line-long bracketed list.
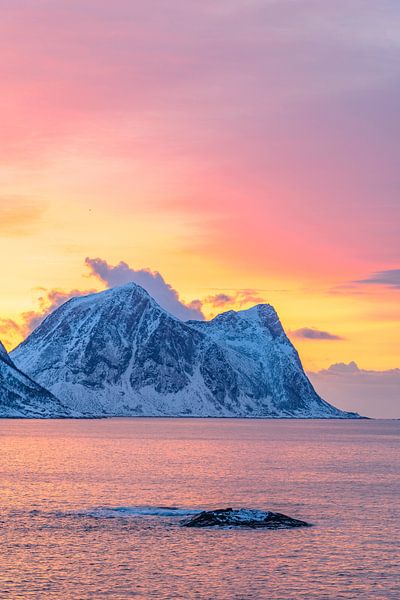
[(93, 509)]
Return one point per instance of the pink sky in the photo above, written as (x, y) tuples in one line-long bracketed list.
[(248, 144), (279, 119)]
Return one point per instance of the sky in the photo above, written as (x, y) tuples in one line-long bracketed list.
[(223, 153)]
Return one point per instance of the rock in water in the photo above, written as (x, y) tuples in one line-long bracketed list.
[(20, 396), (118, 352), (243, 517)]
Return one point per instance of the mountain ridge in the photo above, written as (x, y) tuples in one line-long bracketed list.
[(21, 396), (117, 352)]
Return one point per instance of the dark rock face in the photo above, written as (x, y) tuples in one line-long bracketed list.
[(244, 518)]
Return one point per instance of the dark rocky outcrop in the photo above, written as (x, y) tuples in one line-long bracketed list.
[(243, 517)]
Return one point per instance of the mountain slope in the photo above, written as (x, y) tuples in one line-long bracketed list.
[(20, 396), (119, 353), (276, 371)]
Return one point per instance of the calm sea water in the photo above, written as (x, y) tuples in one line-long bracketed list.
[(61, 481)]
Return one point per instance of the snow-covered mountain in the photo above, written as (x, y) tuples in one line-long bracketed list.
[(118, 352), (20, 396)]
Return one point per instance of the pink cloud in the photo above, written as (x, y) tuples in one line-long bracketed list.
[(371, 393), (237, 297), (308, 333), (219, 300), (11, 329), (276, 121)]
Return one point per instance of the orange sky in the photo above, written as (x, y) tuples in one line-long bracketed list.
[(230, 146)]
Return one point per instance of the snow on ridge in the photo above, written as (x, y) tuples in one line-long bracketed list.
[(21, 396), (118, 352)]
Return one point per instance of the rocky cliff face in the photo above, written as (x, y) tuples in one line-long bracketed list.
[(20, 396), (119, 353)]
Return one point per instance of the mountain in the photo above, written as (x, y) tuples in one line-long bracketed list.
[(118, 352), (269, 365), (20, 396)]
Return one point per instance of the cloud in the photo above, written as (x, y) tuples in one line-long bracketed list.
[(306, 333), (11, 332), (248, 297), (14, 331), (219, 300), (389, 278), (343, 368), (371, 393), (239, 297), (197, 306), (152, 281), (216, 100), (48, 303), (19, 216)]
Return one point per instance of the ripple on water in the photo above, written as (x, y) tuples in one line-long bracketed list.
[(90, 510)]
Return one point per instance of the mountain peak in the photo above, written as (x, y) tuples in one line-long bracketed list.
[(123, 290), (117, 352), (259, 310), (127, 287), (260, 315), (265, 315)]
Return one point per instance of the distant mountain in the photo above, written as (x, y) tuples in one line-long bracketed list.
[(20, 396), (118, 352)]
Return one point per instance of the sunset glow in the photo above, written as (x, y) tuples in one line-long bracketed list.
[(199, 311), (229, 146)]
